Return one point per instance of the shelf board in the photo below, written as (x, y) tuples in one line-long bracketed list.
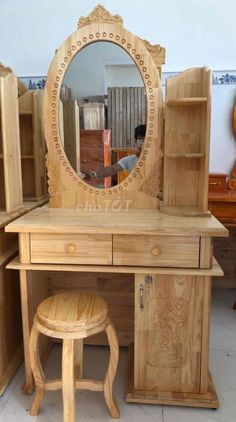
[(27, 157), (191, 101), (188, 155), (25, 113)]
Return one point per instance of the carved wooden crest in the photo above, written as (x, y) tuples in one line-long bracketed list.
[(99, 15)]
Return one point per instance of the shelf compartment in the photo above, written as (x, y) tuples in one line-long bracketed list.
[(187, 134), (187, 155)]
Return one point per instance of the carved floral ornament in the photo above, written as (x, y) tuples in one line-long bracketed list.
[(99, 15)]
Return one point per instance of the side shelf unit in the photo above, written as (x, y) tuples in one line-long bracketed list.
[(11, 198), (186, 143), (32, 146)]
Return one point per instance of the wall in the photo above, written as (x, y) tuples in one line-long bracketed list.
[(194, 32)]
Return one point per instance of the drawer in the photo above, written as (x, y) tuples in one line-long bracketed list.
[(217, 182), (161, 251), (58, 248)]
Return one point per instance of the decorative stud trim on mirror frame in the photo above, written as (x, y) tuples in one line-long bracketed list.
[(84, 36)]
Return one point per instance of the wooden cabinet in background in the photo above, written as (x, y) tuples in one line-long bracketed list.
[(223, 206), (95, 154), (120, 153), (218, 182), (32, 142)]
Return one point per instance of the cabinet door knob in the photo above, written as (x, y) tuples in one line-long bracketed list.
[(156, 251), (70, 248)]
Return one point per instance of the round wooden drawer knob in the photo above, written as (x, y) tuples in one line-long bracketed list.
[(156, 251), (70, 248)]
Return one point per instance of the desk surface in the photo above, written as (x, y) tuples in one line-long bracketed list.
[(222, 196), (152, 222)]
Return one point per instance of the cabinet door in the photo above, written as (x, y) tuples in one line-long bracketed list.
[(168, 333)]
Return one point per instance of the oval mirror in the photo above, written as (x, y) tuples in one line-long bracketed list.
[(102, 102)]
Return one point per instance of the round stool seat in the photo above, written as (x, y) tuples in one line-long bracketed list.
[(72, 312)]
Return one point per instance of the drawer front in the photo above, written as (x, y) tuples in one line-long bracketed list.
[(160, 251), (217, 183), (93, 249)]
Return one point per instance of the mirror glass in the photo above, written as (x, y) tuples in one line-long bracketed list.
[(102, 101)]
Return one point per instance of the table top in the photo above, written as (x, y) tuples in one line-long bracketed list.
[(131, 221)]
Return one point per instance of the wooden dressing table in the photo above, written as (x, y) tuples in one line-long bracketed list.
[(122, 230)]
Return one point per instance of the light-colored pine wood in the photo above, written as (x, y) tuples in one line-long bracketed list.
[(168, 324), (32, 146), (201, 400), (163, 251), (24, 248), (68, 381), (71, 249), (67, 190), (11, 198), (187, 138), (172, 304), (72, 316), (204, 382), (206, 254), (115, 221), (214, 271)]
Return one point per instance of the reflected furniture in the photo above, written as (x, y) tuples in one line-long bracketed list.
[(95, 154), (72, 317), (126, 230)]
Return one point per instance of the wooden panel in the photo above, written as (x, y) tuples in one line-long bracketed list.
[(71, 133), (217, 182), (11, 352), (95, 154), (10, 136), (71, 248), (224, 211), (126, 110), (166, 251), (187, 132), (168, 330)]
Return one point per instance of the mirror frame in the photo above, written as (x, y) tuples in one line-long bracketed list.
[(141, 188)]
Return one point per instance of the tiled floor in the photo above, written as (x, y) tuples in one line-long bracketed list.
[(14, 406)]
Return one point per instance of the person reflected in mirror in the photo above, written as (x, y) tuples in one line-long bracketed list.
[(126, 163)]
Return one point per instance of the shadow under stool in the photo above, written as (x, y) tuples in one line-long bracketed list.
[(72, 317)]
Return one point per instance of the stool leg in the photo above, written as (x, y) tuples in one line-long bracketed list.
[(37, 370), (68, 380), (111, 371), (79, 358)]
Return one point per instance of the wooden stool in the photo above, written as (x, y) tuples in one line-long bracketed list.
[(72, 317)]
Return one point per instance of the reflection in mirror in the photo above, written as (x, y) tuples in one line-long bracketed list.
[(102, 103)]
